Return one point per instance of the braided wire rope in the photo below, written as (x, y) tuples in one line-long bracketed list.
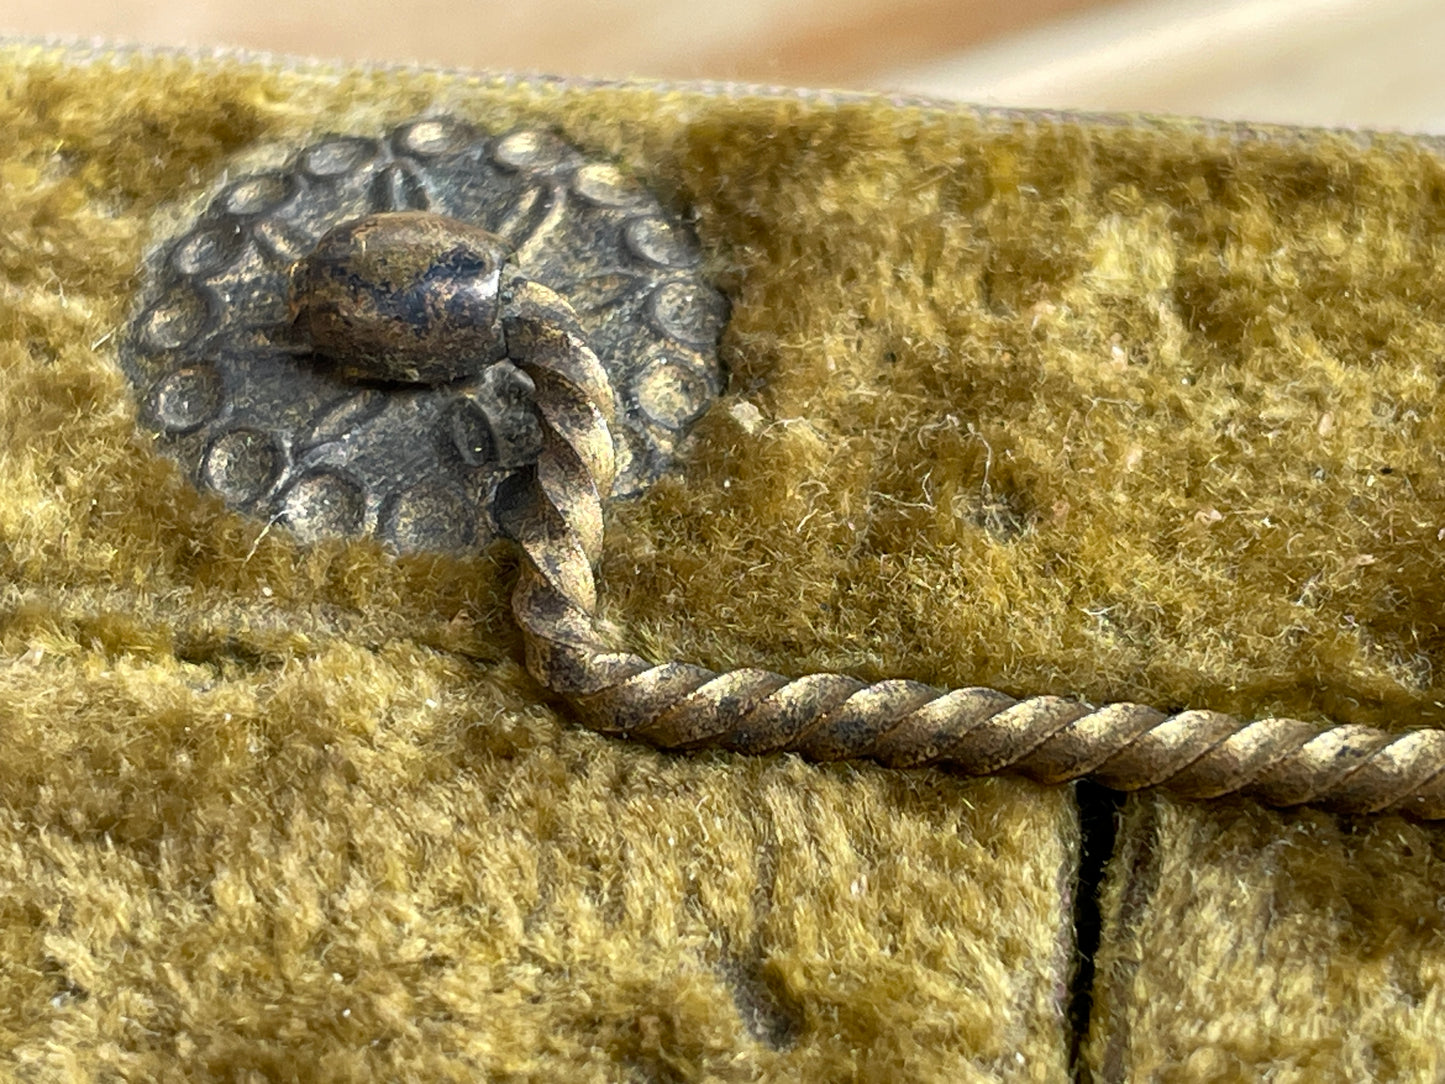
[(555, 514)]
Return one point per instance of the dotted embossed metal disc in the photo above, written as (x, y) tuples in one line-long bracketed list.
[(232, 395)]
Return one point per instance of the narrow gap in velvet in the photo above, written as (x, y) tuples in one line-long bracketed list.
[(1098, 822)]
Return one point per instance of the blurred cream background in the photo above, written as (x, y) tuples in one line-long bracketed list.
[(1370, 63)]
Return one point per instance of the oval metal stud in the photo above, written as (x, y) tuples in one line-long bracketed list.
[(406, 297), (322, 345)]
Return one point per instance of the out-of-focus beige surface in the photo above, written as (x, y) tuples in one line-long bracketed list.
[(1350, 63), (804, 42), (1367, 63)]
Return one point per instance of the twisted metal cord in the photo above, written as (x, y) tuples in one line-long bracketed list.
[(555, 514)]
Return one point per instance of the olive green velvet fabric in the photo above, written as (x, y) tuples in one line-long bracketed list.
[(1080, 406), (269, 813), (1242, 943)]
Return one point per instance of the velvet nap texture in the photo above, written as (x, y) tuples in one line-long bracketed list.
[(1117, 409), (1243, 943), (278, 814)]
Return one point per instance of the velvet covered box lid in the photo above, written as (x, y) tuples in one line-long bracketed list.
[(1100, 407)]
